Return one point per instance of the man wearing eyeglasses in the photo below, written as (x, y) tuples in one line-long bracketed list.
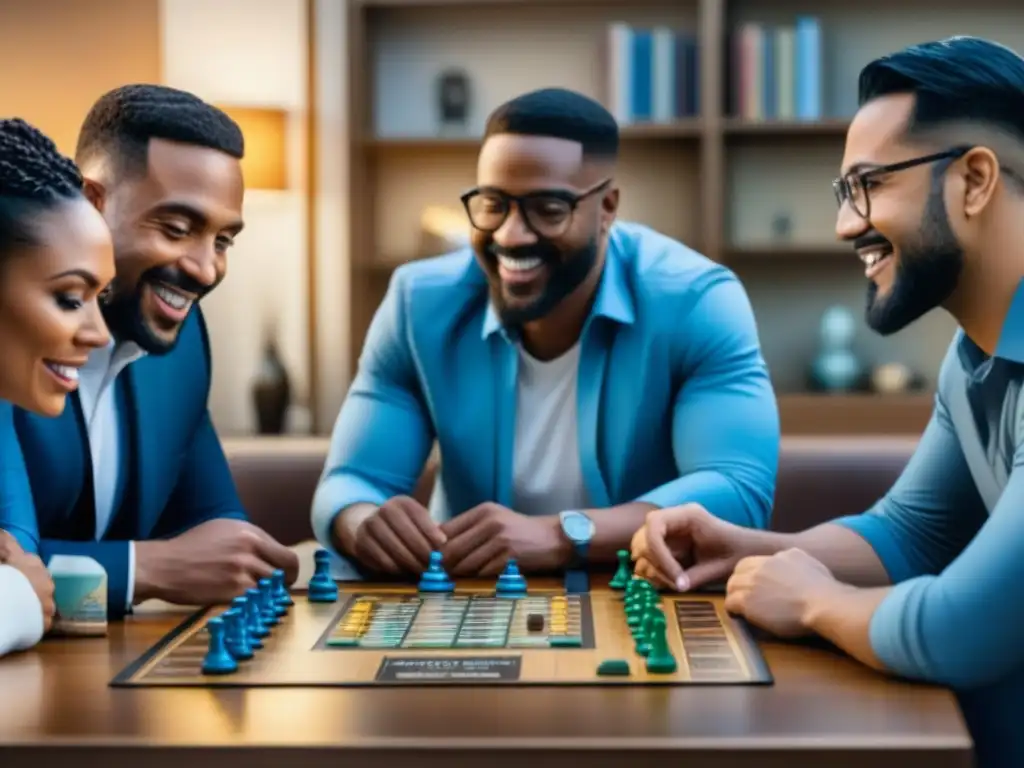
[(575, 373), (927, 584)]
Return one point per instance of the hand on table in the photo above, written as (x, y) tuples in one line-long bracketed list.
[(773, 592), (396, 538), (483, 539), (213, 562), (686, 547), (34, 570)]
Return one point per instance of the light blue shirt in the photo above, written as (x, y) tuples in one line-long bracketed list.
[(951, 536), (674, 400)]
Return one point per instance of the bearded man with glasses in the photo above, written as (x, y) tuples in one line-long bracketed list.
[(923, 584), (575, 373)]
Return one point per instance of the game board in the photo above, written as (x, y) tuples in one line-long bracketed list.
[(468, 633)]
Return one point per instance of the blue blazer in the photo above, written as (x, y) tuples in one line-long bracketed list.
[(675, 402), (174, 472)]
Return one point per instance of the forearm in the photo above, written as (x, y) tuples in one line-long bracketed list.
[(842, 615), (614, 528), (850, 558), (744, 504)]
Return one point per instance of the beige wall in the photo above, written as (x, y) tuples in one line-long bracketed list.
[(252, 53), (59, 56)]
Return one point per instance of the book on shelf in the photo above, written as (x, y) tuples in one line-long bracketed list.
[(776, 71), (652, 74)]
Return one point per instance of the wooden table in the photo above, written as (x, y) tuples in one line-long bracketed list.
[(56, 709)]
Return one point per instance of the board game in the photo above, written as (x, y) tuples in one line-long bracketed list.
[(439, 632)]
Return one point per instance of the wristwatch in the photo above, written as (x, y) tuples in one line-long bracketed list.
[(579, 530)]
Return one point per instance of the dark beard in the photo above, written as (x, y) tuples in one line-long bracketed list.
[(122, 312), (566, 272), (926, 274)]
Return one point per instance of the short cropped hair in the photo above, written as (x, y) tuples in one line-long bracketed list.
[(120, 126), (953, 80), (562, 114), (34, 177)]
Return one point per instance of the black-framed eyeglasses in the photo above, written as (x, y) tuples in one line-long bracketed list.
[(547, 212), (853, 188)]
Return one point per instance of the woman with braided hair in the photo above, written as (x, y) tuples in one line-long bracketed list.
[(56, 256)]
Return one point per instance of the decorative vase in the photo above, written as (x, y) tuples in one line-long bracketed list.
[(271, 393), (836, 368)]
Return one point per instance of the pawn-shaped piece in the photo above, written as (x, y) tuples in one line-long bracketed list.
[(236, 638), (281, 596), (218, 660), (623, 573), (660, 660), (268, 609), (511, 582), (435, 578), (241, 604), (254, 615), (322, 588)]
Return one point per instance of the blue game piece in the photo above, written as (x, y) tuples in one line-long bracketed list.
[(257, 626), (281, 596), (321, 587), (434, 579), (219, 660), (241, 604), (268, 610), (511, 582), (237, 636)]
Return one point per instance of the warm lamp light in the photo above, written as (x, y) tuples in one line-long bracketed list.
[(265, 165)]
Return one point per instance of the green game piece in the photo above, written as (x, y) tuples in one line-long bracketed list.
[(623, 574), (565, 641), (613, 668), (659, 659)]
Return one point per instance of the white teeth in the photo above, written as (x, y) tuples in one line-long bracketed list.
[(870, 258), (173, 298), (518, 265), (64, 371)]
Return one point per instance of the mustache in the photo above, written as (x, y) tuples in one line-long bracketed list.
[(542, 251), (870, 240), (175, 278)]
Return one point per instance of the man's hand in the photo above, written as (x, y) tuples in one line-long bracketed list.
[(774, 592), (395, 538), (212, 563), (687, 547), (33, 569), (482, 540)]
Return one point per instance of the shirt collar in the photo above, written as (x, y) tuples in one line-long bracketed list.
[(114, 357), (614, 300), (1010, 346)]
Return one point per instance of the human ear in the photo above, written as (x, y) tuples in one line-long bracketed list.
[(981, 176)]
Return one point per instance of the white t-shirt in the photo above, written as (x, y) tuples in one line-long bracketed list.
[(21, 616), (547, 477)]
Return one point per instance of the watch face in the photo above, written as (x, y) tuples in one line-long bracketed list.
[(577, 527)]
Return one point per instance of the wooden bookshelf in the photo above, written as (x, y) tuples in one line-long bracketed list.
[(710, 181)]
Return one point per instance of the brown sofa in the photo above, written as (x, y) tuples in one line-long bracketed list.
[(820, 478)]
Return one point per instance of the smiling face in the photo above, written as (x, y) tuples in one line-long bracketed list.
[(172, 227), (49, 314), (535, 259), (913, 258)]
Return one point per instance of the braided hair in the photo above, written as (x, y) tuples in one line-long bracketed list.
[(34, 177)]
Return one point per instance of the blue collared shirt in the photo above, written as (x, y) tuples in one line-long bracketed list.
[(674, 400), (950, 533)]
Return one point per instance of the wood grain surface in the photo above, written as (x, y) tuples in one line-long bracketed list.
[(57, 709)]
